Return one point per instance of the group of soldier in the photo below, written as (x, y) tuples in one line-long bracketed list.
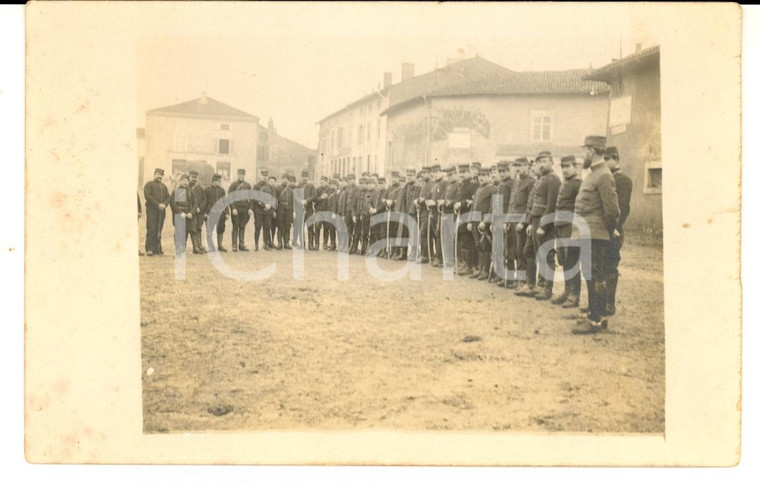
[(531, 194)]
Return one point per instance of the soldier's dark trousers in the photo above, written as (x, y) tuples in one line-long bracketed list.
[(365, 233), (344, 241), (312, 233), (180, 234), (611, 262), (529, 252), (424, 251), (568, 257), (283, 229), (549, 261), (465, 246), (597, 293), (435, 236), (516, 257), (220, 227), (403, 235), (485, 248), (154, 223), (239, 222), (509, 249)]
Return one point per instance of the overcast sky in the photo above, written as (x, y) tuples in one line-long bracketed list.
[(297, 63)]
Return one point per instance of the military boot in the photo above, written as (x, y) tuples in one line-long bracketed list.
[(561, 298), (546, 291)]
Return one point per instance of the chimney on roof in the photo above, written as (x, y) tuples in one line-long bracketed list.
[(270, 126), (387, 79), (407, 71), (203, 98), (638, 48)]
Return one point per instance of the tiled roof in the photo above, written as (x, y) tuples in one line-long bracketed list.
[(550, 82), (452, 77), (604, 73), (204, 107)]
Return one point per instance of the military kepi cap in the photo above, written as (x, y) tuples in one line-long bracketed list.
[(502, 165), (305, 173), (351, 176), (217, 176), (463, 168), (612, 152), (521, 161), (435, 167), (241, 171), (566, 160), (410, 172), (483, 172), (597, 142), (159, 171), (543, 154), (394, 173), (193, 172), (475, 164), (323, 178)]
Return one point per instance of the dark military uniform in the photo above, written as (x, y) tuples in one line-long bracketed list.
[(195, 227), (450, 197), (320, 206), (393, 225), (567, 255), (240, 220), (310, 196), (544, 204), (342, 200), (284, 215), (482, 203), (518, 205), (377, 231), (332, 208), (624, 187), (466, 242), (213, 194), (155, 193), (437, 194), (425, 194), (183, 203)]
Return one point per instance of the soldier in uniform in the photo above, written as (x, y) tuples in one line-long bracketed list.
[(242, 210), (320, 206), (390, 203), (183, 204), (285, 213), (341, 209), (449, 199), (332, 208), (422, 213), (214, 193), (377, 207), (624, 187), (505, 191), (308, 201), (529, 250), (404, 198), (482, 203), (597, 204), (435, 206), (270, 213), (544, 205), (467, 256), (365, 207), (196, 225), (567, 255), (518, 207), (157, 198)]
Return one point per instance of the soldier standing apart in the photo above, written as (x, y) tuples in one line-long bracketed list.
[(309, 198), (544, 206), (157, 198), (624, 187), (214, 193), (597, 204), (285, 213), (567, 255), (242, 210), (505, 191), (518, 206), (196, 230), (183, 204)]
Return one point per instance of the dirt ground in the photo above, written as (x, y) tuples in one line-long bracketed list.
[(323, 354)]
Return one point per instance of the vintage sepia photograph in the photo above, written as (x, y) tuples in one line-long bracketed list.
[(379, 232)]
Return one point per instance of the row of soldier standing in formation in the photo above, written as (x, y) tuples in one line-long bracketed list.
[(529, 189)]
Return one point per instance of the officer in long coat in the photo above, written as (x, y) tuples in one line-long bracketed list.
[(214, 193), (157, 198), (241, 210)]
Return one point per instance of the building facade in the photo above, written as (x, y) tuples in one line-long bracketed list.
[(202, 134), (634, 126), (280, 155), (469, 110)]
